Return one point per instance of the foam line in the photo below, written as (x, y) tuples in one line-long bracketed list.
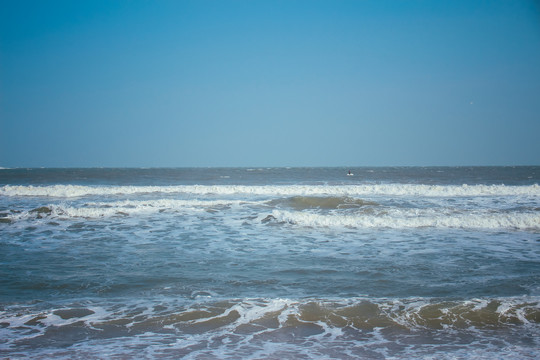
[(411, 219), (72, 191)]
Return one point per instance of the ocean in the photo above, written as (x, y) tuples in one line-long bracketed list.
[(270, 263)]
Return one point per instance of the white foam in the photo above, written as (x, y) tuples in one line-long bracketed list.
[(228, 340), (251, 310), (384, 217), (517, 308), (128, 207), (71, 191), (413, 218)]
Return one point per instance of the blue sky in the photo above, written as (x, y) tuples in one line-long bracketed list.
[(269, 83)]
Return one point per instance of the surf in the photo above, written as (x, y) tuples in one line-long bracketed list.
[(74, 191), (264, 327), (408, 219)]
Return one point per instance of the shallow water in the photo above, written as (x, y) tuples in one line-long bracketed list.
[(270, 263)]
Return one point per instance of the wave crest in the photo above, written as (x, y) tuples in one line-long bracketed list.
[(70, 191), (329, 320), (412, 219)]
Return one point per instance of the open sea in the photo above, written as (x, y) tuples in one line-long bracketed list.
[(270, 263)]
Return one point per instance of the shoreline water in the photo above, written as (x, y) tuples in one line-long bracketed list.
[(271, 263)]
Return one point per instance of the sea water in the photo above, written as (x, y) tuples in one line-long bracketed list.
[(270, 263)]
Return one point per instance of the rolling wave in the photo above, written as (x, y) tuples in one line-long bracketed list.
[(119, 208), (74, 191), (321, 324), (355, 215), (411, 218), (354, 312)]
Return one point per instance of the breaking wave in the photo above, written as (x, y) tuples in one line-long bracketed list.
[(120, 208), (332, 212), (262, 328), (73, 191), (411, 218)]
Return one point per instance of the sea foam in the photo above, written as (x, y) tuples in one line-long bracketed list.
[(412, 219), (71, 191)]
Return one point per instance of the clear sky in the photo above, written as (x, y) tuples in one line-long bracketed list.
[(269, 83)]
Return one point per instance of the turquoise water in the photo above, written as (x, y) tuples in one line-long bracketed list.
[(270, 263)]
